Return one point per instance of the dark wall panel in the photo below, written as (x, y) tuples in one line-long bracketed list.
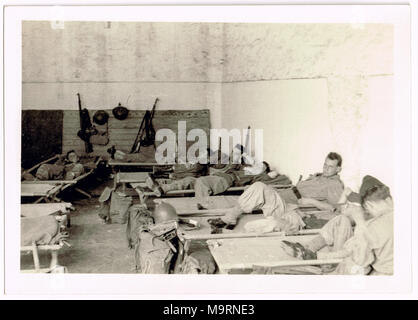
[(41, 135)]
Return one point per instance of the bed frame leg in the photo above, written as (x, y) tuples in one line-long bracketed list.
[(39, 200), (36, 257), (68, 220), (54, 259), (83, 192)]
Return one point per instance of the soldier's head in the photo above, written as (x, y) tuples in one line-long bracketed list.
[(266, 167), (72, 156), (377, 200), (332, 164)]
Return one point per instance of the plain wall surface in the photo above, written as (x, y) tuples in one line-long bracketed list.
[(314, 88), (128, 62)]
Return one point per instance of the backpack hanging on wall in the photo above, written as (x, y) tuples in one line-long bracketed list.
[(102, 135)]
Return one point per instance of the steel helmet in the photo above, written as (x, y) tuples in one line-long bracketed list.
[(100, 117), (164, 212), (120, 112)]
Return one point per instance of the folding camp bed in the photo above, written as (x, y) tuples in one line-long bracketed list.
[(140, 188), (235, 251), (43, 191), (187, 237), (218, 204), (146, 166), (44, 209), (130, 177), (186, 208), (47, 190), (238, 255), (39, 164), (53, 266), (38, 210)]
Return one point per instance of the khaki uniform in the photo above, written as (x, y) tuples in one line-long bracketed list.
[(73, 170), (317, 187), (57, 172), (181, 184), (336, 232), (371, 247), (219, 180), (272, 202), (49, 171), (210, 185), (195, 170), (366, 250)]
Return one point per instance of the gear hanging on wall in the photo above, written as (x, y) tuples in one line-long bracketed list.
[(120, 112), (100, 117)]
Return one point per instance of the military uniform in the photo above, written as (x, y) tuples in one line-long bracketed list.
[(59, 171), (370, 248), (272, 202)]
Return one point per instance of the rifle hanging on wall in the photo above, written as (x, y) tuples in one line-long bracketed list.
[(86, 128), (146, 132)]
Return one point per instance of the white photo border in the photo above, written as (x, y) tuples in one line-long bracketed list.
[(211, 286)]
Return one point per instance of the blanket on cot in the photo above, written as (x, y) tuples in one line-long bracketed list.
[(40, 230)]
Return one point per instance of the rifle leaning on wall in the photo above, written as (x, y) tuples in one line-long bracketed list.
[(146, 132), (86, 128)]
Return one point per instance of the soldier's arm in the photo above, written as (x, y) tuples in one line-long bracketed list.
[(321, 205)]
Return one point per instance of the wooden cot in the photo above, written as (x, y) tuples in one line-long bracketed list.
[(148, 165), (53, 249), (47, 190), (38, 210), (235, 255), (141, 189), (186, 207), (235, 250)]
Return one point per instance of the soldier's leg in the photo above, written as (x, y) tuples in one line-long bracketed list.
[(203, 189), (257, 196), (43, 172), (336, 232), (181, 184), (207, 186)]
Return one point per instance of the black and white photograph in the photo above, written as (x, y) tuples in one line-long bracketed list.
[(209, 143)]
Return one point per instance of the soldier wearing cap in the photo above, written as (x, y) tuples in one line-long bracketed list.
[(368, 249)]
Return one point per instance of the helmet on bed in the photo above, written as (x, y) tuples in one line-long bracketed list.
[(164, 212)]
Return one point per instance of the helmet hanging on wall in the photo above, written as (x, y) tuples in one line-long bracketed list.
[(100, 117), (120, 112)]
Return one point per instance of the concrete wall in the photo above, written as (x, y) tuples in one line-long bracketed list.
[(127, 62), (313, 89)]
